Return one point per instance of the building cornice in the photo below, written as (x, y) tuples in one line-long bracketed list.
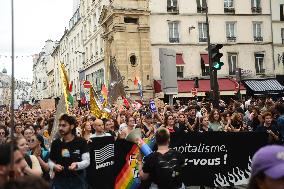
[(203, 14), (205, 44), (278, 21)]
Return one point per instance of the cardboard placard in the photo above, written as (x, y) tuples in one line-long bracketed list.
[(47, 104)]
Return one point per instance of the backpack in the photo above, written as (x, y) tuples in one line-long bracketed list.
[(168, 170)]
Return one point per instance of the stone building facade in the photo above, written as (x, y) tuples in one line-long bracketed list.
[(127, 41)]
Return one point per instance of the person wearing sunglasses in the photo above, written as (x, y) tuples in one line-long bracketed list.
[(33, 167), (38, 149)]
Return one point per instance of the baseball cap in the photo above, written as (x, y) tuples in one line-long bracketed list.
[(270, 161)]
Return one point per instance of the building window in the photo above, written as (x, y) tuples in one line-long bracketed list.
[(232, 61), (281, 12), (282, 35), (231, 31), (174, 32), (202, 28), (179, 72), (133, 60), (201, 6), (257, 31), (172, 6), (204, 61), (229, 6), (259, 57), (255, 6), (130, 20)]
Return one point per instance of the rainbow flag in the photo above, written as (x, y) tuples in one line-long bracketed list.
[(128, 177)]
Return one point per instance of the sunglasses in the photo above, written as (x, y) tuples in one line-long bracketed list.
[(31, 141)]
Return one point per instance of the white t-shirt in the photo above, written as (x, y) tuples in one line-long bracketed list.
[(103, 135)]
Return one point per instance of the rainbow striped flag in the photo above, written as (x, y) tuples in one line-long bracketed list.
[(128, 178)]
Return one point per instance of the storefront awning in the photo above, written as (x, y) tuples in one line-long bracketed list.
[(185, 86), (262, 86)]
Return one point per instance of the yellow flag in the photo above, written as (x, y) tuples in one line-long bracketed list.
[(65, 82), (95, 109)]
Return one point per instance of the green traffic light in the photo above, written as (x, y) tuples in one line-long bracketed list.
[(218, 65)]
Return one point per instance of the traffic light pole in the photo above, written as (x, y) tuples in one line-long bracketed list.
[(213, 73)]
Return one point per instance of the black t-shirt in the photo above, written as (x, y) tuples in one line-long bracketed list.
[(66, 153), (165, 169)]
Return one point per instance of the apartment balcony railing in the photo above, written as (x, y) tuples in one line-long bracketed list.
[(230, 10), (174, 40), (258, 38), (256, 9)]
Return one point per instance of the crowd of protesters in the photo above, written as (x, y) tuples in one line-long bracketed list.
[(33, 130)]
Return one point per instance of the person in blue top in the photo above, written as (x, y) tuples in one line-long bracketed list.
[(38, 149), (280, 121)]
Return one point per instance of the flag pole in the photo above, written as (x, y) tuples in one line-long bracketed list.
[(12, 124)]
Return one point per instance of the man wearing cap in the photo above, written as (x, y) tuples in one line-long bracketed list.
[(268, 168)]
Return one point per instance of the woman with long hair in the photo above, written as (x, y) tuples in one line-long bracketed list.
[(38, 149), (238, 123), (86, 130), (33, 167), (215, 120)]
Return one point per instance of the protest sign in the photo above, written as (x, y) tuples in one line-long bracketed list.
[(47, 104), (211, 159), (153, 106), (218, 158)]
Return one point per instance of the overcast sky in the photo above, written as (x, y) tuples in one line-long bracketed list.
[(35, 22)]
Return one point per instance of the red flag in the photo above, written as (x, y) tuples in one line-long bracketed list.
[(104, 90), (71, 86), (125, 101), (136, 81)]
